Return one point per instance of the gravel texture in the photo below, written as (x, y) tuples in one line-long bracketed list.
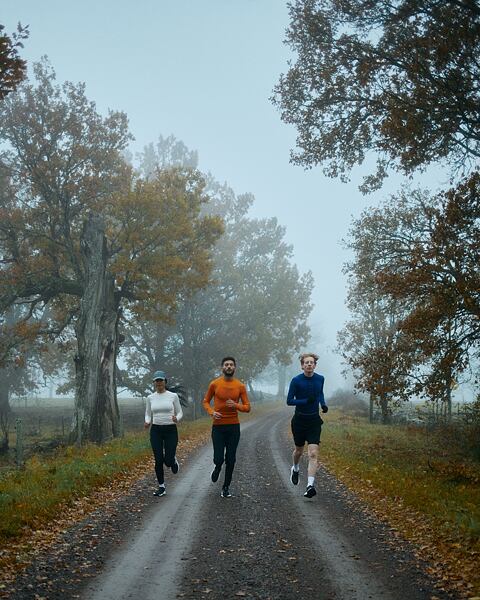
[(266, 542)]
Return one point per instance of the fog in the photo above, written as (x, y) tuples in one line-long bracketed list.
[(204, 71)]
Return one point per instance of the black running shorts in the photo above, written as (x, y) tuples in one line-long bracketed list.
[(306, 429)]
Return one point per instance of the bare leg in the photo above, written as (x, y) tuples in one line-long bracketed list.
[(312, 459), (297, 454)]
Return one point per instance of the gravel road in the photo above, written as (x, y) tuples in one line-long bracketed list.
[(266, 542)]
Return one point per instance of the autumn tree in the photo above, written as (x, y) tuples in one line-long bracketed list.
[(372, 342), (12, 66), (89, 238), (436, 274), (12, 376), (395, 79), (372, 345), (255, 307), (166, 153), (420, 252)]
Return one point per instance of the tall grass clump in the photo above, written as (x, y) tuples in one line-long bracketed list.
[(31, 496)]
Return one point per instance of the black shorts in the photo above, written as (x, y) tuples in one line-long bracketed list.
[(306, 429)]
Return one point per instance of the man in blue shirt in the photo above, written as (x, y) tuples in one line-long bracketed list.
[(306, 394)]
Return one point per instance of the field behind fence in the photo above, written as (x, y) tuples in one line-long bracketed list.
[(39, 425)]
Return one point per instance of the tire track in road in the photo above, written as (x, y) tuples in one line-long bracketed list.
[(150, 562), (361, 562), (266, 542), (269, 542), (251, 545)]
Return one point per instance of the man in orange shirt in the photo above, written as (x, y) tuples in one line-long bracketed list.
[(229, 396)]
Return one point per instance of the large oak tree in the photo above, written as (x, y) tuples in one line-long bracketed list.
[(396, 79), (85, 236)]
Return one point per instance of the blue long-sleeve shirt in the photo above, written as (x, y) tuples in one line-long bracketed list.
[(306, 394)]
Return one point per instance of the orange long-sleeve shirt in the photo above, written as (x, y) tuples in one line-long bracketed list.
[(221, 390)]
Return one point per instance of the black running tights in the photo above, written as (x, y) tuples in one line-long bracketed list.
[(164, 440), (225, 440)]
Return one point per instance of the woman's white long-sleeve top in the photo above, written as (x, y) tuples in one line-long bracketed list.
[(160, 408)]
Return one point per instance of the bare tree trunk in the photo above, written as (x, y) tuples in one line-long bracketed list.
[(97, 416), (448, 398), (449, 404), (252, 394), (282, 381), (370, 408), (4, 415), (198, 411), (385, 409), (6, 380)]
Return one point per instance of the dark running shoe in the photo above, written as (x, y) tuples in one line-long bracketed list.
[(160, 492), (226, 492), (215, 474), (294, 476), (175, 466), (310, 492)]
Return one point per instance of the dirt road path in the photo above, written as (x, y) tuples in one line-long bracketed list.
[(267, 541)]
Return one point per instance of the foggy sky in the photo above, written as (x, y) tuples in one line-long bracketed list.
[(203, 70)]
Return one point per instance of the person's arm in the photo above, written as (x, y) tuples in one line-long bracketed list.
[(243, 405), (291, 396), (177, 410), (321, 397), (148, 413), (208, 397)]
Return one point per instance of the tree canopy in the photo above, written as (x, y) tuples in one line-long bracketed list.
[(417, 256), (255, 307), (397, 79), (12, 66)]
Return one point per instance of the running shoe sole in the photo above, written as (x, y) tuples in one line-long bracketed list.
[(311, 492), (294, 476)]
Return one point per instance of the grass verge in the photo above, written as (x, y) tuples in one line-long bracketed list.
[(33, 496), (419, 483)]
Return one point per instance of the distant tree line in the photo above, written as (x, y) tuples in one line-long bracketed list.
[(106, 263), (398, 81), (256, 304)]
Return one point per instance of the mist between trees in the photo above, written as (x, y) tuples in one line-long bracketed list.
[(144, 263), (397, 82)]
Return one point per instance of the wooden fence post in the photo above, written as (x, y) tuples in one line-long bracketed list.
[(19, 444)]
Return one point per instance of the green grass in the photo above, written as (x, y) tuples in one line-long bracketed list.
[(425, 469), (424, 483), (30, 497)]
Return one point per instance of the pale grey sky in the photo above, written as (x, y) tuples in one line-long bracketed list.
[(204, 70)]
